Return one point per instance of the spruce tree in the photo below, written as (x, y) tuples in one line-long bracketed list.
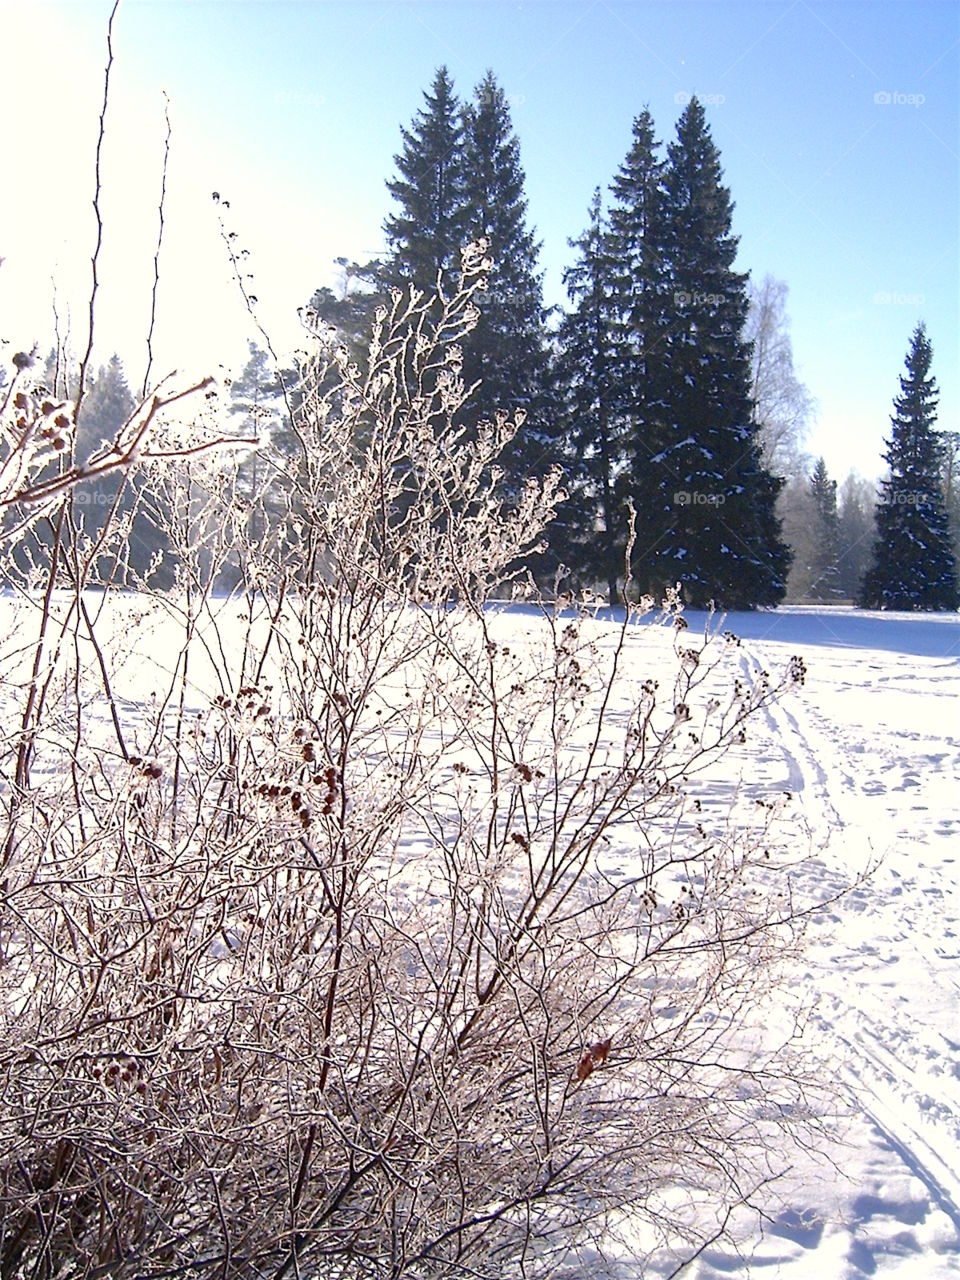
[(825, 574), (799, 524), (426, 233), (507, 351), (913, 562), (723, 541), (588, 531), (641, 322), (459, 179)]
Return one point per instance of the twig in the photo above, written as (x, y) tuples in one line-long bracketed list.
[(96, 210), (156, 255)]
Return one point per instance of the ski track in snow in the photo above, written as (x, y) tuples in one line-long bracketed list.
[(871, 748)]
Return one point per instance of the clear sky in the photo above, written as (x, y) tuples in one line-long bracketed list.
[(837, 125)]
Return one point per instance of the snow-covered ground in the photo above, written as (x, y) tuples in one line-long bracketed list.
[(871, 746)]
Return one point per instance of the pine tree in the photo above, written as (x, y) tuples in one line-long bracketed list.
[(724, 542), (256, 395), (913, 562), (588, 530), (427, 232), (507, 351), (641, 322)]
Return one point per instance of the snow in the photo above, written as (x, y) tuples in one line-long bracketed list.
[(917, 634), (870, 746)]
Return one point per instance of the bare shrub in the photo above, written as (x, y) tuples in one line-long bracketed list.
[(353, 927)]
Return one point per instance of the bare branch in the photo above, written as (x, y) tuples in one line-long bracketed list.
[(98, 173)]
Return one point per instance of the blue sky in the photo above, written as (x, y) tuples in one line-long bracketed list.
[(293, 112)]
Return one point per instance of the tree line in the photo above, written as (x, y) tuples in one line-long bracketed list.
[(667, 389), (898, 547), (642, 392), (665, 392)]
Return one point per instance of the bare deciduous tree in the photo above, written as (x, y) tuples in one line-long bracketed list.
[(785, 407)]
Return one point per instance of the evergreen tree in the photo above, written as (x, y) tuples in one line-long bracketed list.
[(256, 401), (459, 179), (507, 351), (107, 404), (256, 391), (118, 500), (913, 562), (724, 541), (807, 507), (798, 522), (351, 308), (588, 530), (641, 323), (825, 574), (856, 530), (427, 232), (950, 483), (59, 376)]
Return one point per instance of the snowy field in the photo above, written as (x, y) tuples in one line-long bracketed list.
[(871, 746)]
